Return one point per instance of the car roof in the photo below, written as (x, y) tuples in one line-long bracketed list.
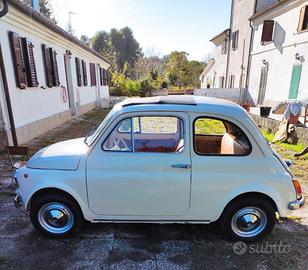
[(179, 102)]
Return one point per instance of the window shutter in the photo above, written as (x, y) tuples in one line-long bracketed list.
[(78, 73), (54, 64), (101, 71), (18, 60), (267, 32), (105, 82), (47, 65), (92, 74), (84, 72), (30, 63), (301, 18)]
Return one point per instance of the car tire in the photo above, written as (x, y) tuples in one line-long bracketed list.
[(248, 219), (55, 215)]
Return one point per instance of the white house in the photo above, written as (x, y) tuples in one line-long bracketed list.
[(279, 54), (214, 74), (47, 76)]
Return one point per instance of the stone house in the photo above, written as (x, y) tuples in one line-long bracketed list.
[(47, 75)]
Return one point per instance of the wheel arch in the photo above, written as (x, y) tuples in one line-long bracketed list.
[(53, 190), (252, 194)]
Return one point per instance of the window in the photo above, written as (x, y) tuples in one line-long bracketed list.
[(231, 81), (78, 71), (161, 134), (235, 37), (92, 74), (221, 82), (303, 19), (23, 60), (219, 137), (105, 81), (224, 46), (267, 31), (51, 66), (84, 73)]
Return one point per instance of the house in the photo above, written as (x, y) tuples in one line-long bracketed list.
[(236, 45), (214, 74), (279, 53), (47, 75)]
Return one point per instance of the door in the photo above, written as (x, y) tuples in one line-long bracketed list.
[(262, 85), (141, 168), (69, 83), (295, 80)]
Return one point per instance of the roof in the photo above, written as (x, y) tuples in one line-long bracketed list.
[(29, 11), (180, 102), (269, 8), (224, 32)]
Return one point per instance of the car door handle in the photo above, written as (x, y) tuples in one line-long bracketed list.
[(182, 166)]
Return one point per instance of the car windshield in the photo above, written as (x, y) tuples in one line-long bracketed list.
[(96, 130)]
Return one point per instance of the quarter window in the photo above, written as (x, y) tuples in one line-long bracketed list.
[(162, 134), (219, 137)]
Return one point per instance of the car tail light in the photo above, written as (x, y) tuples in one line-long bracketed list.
[(298, 188)]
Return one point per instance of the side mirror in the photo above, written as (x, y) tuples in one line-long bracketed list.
[(3, 7)]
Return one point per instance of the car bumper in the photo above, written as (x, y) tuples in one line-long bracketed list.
[(19, 203), (297, 204)]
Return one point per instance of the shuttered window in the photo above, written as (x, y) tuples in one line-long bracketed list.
[(47, 65), (84, 73), (267, 32), (78, 71), (235, 37), (303, 19), (30, 62), (55, 70), (18, 60), (105, 81), (101, 76), (92, 74)]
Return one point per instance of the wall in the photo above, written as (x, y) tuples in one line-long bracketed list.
[(280, 54), (242, 10), (232, 94), (262, 4), (33, 105)]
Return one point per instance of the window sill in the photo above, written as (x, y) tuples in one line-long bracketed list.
[(302, 31)]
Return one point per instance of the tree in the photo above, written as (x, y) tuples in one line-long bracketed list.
[(177, 68), (84, 39), (195, 68), (46, 8)]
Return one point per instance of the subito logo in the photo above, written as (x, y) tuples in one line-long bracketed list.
[(239, 248)]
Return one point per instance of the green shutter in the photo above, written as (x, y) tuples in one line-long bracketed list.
[(295, 80)]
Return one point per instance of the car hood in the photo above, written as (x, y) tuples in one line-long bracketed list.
[(59, 156)]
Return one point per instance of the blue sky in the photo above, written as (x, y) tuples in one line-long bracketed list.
[(159, 26)]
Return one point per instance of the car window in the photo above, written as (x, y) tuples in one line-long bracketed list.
[(162, 134), (120, 141), (219, 137)]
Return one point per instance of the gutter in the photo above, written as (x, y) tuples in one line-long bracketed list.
[(5, 9)]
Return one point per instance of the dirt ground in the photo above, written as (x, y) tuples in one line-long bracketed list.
[(135, 246)]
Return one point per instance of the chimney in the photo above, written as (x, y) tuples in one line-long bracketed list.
[(36, 5)]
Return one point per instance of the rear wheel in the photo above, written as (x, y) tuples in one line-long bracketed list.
[(248, 219), (55, 215)]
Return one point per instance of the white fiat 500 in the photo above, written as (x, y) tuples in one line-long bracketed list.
[(176, 159)]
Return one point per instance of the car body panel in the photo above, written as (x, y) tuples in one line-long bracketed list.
[(144, 187)]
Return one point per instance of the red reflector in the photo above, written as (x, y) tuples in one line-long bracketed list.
[(298, 188)]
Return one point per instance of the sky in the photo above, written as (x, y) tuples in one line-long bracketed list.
[(159, 26)]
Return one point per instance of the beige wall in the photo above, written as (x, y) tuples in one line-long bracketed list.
[(242, 10)]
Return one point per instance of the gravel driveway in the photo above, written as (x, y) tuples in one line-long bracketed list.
[(140, 246)]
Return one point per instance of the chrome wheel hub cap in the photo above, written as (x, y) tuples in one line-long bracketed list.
[(249, 222), (56, 218)]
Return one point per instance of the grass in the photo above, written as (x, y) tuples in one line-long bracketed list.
[(293, 147)]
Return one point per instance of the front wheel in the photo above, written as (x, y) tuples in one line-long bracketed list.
[(55, 215), (248, 219)]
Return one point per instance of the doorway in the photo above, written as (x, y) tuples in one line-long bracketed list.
[(69, 83), (262, 85)]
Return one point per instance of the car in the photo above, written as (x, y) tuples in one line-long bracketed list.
[(172, 159)]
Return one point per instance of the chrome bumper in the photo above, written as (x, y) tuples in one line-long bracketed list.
[(297, 204), (18, 201)]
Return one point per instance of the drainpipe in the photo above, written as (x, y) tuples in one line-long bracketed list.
[(5, 8), (229, 47), (250, 50), (8, 99)]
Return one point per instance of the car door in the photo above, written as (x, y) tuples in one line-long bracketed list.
[(141, 167)]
